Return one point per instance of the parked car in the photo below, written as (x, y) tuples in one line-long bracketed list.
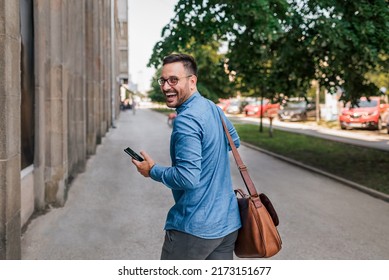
[(297, 110), (223, 104), (368, 113), (253, 109), (236, 106)]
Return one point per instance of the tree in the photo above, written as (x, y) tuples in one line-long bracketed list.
[(380, 79), (252, 30), (279, 46), (214, 82), (347, 40), (155, 93)]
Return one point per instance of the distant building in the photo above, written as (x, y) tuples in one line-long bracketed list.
[(122, 20)]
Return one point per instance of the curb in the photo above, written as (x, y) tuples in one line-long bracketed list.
[(354, 185)]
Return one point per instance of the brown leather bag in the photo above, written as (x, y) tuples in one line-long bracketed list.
[(258, 237)]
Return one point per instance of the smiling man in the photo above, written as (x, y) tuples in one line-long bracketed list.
[(204, 221)]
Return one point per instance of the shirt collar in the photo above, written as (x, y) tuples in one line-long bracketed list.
[(188, 102)]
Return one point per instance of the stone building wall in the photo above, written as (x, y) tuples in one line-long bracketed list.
[(76, 100), (9, 130)]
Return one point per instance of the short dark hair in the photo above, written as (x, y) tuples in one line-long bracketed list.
[(187, 60)]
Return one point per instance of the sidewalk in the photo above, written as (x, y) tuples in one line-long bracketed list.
[(112, 212), (365, 138)]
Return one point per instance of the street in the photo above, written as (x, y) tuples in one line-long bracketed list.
[(112, 212)]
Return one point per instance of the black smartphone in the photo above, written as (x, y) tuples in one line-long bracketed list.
[(133, 154)]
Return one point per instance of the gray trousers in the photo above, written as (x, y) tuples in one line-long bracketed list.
[(183, 246)]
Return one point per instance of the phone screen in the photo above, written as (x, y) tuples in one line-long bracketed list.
[(133, 154)]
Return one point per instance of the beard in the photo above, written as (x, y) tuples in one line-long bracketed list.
[(173, 98)]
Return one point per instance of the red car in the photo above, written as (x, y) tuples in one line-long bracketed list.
[(223, 104), (367, 114), (254, 109)]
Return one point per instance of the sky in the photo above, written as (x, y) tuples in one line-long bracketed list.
[(146, 20)]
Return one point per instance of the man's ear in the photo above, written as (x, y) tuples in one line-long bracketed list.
[(193, 82)]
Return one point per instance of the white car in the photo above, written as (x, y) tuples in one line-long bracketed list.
[(234, 107)]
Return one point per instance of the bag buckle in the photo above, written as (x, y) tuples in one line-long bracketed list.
[(242, 167), (257, 201)]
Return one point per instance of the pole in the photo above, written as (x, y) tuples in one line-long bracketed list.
[(317, 102), (261, 115)]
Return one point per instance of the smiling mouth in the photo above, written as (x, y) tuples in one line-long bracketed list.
[(170, 95)]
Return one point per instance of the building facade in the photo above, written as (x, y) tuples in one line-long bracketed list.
[(60, 74)]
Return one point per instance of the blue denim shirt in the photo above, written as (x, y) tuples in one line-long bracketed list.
[(200, 179)]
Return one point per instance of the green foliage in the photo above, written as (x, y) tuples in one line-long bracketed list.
[(380, 79), (347, 41), (155, 93), (213, 81), (279, 46)]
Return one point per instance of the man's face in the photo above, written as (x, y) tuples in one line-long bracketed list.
[(177, 94)]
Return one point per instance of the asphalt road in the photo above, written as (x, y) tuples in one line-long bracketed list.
[(114, 213)]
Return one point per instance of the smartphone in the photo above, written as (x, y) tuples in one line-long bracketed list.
[(133, 154)]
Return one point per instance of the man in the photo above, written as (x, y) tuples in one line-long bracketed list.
[(204, 221)]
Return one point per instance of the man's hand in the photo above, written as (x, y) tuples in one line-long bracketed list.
[(145, 166)]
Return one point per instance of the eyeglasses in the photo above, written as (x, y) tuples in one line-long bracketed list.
[(172, 81)]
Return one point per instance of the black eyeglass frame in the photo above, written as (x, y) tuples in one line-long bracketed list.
[(161, 81)]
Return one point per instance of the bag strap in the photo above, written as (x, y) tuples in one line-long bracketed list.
[(242, 168)]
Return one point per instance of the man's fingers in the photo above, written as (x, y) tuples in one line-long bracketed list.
[(145, 155), (135, 162), (148, 159), (144, 166)]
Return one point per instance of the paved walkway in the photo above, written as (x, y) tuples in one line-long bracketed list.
[(111, 212)]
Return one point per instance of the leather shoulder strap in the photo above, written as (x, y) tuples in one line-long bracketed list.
[(242, 168)]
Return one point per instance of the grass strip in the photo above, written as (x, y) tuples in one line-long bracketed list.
[(165, 111), (365, 166)]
